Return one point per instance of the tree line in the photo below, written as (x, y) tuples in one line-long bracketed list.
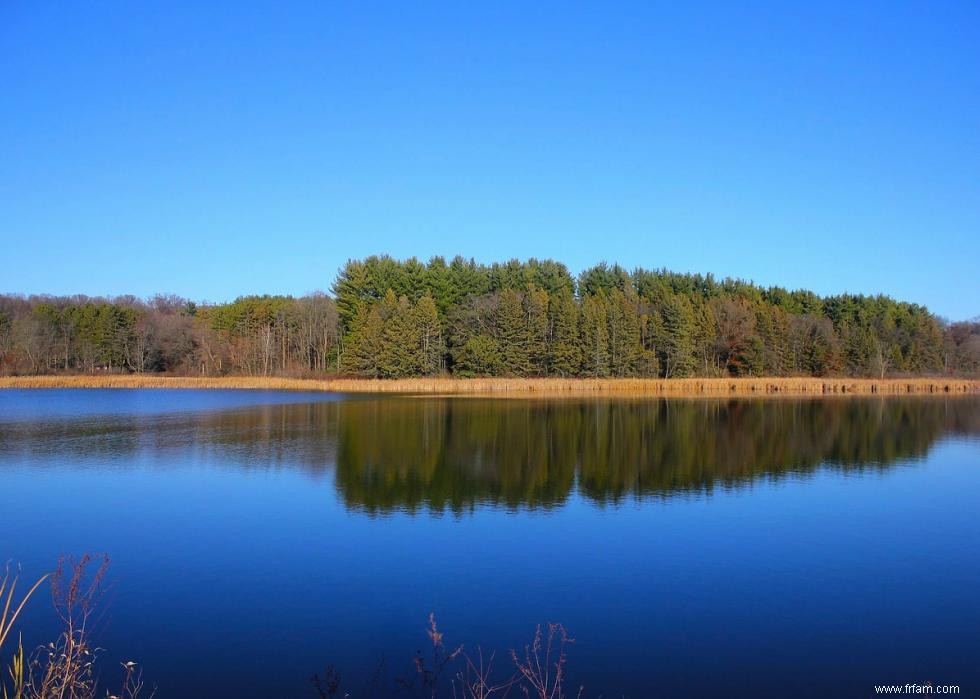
[(408, 318), (389, 318), (253, 335)]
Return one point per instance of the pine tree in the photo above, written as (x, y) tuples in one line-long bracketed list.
[(565, 355), (439, 283), (350, 292), (512, 334), (624, 333), (772, 323), (677, 343), (364, 343), (479, 356), (703, 337), (400, 339), (594, 337), (536, 302), (429, 333)]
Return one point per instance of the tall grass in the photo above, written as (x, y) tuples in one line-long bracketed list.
[(9, 612), (804, 386), (64, 668)]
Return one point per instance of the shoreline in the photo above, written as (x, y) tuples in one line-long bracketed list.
[(680, 388)]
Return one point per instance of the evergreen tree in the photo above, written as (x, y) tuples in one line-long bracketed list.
[(677, 343), (565, 352), (602, 279), (512, 334), (429, 333), (468, 278), (861, 351), (927, 345), (480, 356), (400, 339), (439, 283), (624, 333), (776, 341), (536, 302), (350, 292), (594, 337), (363, 345), (703, 337)]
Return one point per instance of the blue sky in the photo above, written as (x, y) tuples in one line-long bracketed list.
[(251, 147)]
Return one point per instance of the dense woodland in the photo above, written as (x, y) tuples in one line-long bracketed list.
[(389, 318)]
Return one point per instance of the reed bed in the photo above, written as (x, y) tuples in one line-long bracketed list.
[(521, 387)]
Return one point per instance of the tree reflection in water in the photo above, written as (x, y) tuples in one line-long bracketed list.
[(442, 454)]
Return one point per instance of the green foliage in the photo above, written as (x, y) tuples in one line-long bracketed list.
[(602, 279), (480, 356), (363, 355), (523, 319), (623, 333), (398, 353), (594, 337), (512, 334), (428, 334), (773, 325), (676, 341), (393, 318), (536, 305), (565, 356)]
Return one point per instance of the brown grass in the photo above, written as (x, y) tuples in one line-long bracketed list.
[(522, 387)]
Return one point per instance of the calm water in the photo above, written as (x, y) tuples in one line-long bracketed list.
[(779, 548)]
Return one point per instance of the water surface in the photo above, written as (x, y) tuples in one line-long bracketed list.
[(693, 548)]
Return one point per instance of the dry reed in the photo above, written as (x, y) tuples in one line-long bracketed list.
[(522, 387), (8, 611)]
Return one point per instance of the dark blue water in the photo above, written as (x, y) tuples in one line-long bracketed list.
[(692, 548)]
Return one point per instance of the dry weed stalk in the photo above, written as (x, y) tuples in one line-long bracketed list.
[(475, 681), (540, 673), (63, 669), (543, 664), (133, 685), (425, 682)]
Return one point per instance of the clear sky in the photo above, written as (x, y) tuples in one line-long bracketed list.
[(249, 147)]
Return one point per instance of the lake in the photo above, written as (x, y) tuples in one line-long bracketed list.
[(707, 548)]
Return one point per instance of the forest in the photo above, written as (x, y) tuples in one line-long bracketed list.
[(387, 318)]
